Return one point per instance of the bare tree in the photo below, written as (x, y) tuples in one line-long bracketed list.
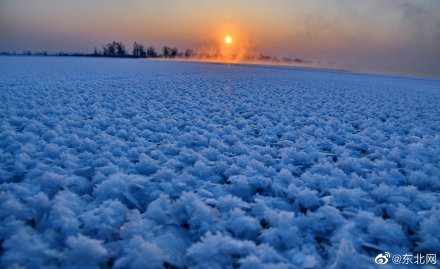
[(109, 49), (166, 51), (188, 53), (114, 49), (174, 52), (151, 52), (96, 52), (139, 50), (120, 49)]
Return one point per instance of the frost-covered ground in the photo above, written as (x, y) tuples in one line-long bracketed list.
[(119, 163)]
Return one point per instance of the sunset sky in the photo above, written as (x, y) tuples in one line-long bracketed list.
[(393, 36)]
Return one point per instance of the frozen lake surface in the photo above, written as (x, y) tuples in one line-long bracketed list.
[(119, 163)]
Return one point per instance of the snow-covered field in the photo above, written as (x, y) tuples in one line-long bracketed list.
[(123, 163)]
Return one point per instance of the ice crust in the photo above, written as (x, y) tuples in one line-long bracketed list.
[(124, 163)]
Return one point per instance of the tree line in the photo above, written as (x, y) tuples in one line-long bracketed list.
[(118, 49)]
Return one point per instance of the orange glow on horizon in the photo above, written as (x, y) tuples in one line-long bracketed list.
[(232, 42), (228, 42)]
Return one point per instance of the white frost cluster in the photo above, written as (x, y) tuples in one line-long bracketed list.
[(120, 163)]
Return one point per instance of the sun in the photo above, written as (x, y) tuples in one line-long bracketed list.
[(228, 40)]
